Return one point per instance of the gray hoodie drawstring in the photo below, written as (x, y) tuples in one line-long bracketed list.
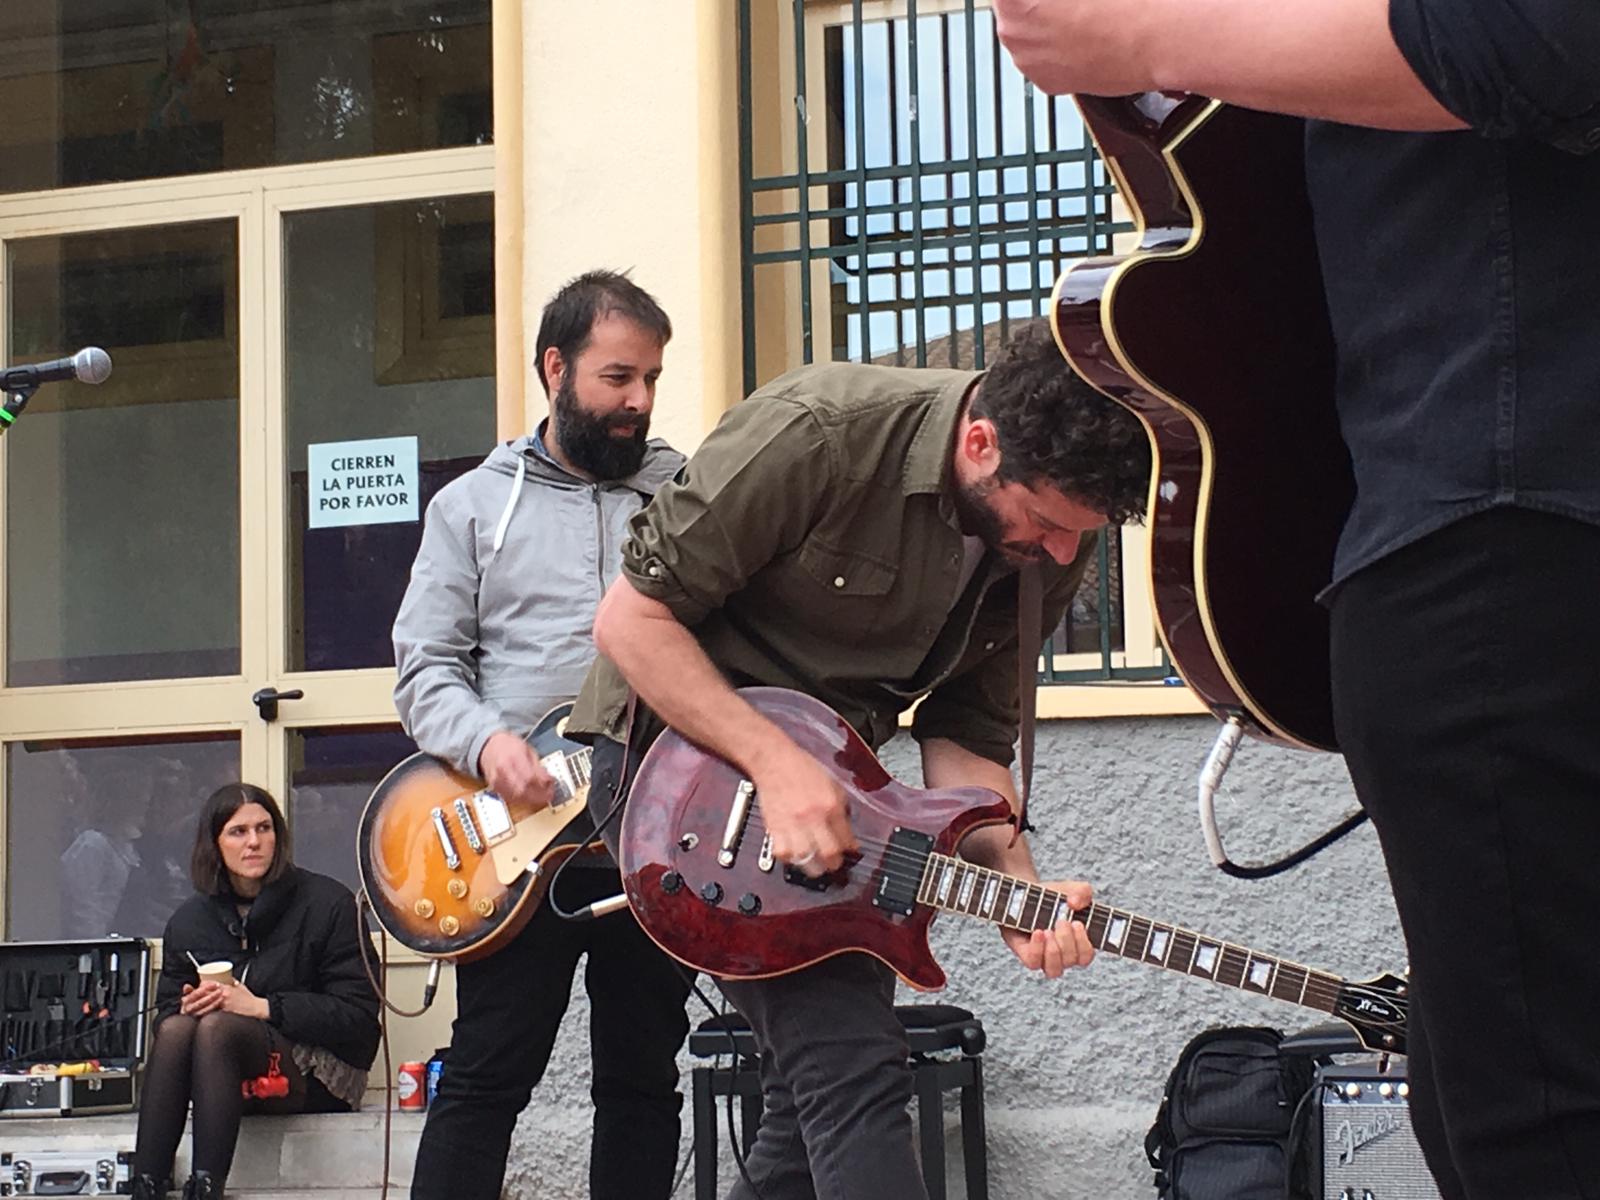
[(511, 503)]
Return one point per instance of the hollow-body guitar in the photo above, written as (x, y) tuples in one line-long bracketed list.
[(1214, 330)]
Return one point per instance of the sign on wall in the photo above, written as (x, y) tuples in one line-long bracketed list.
[(368, 482)]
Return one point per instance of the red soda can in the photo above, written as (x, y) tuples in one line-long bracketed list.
[(411, 1084)]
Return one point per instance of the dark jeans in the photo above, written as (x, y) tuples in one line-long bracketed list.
[(509, 1007), (835, 1085), (1467, 697)]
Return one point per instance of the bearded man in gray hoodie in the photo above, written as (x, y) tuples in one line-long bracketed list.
[(494, 631)]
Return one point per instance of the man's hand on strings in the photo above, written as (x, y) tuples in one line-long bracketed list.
[(1065, 944), (806, 812)]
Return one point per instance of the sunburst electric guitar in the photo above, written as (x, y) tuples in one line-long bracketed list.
[(701, 878), (451, 869), (1214, 329)]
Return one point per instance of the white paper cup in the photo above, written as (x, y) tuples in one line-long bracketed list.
[(220, 971)]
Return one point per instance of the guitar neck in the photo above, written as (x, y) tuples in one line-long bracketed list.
[(953, 885), (570, 770)]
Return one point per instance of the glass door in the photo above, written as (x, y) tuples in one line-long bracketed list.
[(299, 365), (388, 393), (129, 578)]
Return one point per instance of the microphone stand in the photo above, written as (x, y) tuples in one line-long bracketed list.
[(16, 401)]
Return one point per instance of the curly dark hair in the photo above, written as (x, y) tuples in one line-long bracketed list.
[(1055, 429)]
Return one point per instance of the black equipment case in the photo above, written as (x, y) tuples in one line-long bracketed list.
[(73, 1024)]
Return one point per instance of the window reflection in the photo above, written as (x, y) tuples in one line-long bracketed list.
[(96, 91), (389, 333), (123, 498), (99, 833), (332, 776)]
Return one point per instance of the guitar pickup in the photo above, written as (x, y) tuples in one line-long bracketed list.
[(897, 889), (494, 818), (560, 771)]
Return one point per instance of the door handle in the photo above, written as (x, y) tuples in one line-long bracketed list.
[(266, 701)]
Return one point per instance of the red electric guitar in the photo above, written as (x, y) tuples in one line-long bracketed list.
[(700, 876), (1215, 331)]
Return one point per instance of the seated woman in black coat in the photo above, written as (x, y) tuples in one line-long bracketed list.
[(301, 1001)]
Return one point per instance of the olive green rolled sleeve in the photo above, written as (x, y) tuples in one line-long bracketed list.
[(748, 496)]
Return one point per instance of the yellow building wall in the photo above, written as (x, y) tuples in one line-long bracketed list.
[(629, 159)]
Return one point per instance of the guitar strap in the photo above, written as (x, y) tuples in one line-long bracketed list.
[(1030, 636)]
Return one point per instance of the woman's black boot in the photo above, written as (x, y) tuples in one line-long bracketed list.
[(202, 1186), (148, 1187)]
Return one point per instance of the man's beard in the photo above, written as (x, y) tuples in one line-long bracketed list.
[(587, 439), (978, 519)]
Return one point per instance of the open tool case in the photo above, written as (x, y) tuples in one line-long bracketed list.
[(72, 1025)]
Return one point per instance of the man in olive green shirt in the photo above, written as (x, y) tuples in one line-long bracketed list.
[(855, 533)]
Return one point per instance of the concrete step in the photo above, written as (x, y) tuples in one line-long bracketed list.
[(329, 1155)]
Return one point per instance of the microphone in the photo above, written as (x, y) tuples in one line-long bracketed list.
[(89, 365), (17, 384)]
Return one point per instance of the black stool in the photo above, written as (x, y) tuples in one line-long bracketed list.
[(929, 1028)]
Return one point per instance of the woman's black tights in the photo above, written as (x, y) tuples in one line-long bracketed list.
[(205, 1060)]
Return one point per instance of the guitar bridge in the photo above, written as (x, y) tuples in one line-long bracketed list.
[(442, 830), (738, 815), (469, 829)]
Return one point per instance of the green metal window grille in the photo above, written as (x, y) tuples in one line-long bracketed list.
[(933, 199)]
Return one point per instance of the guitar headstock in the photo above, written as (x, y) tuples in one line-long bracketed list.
[(1377, 1010)]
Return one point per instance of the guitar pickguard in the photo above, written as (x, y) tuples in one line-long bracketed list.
[(531, 837)]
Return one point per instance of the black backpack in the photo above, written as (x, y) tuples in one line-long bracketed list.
[(1226, 1124)]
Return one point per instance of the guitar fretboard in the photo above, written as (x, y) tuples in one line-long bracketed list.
[(954, 885), (570, 771)]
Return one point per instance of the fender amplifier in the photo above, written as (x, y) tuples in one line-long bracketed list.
[(88, 1172), (1368, 1149)]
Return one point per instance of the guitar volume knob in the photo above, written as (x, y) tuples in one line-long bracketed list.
[(423, 908), (671, 882), (749, 904), (711, 892)]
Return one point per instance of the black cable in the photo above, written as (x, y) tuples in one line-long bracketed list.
[(720, 1016), (381, 990), (585, 913), (1278, 866), (618, 802), (1297, 1151)]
